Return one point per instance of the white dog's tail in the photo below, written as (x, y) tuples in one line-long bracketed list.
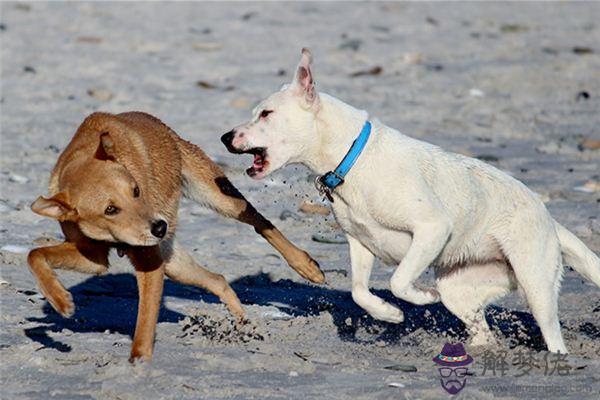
[(577, 255)]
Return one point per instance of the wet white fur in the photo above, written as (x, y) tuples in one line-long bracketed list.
[(415, 205)]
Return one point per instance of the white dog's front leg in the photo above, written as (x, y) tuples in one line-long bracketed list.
[(362, 263), (428, 241)]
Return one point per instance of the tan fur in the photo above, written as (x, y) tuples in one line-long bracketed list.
[(134, 163)]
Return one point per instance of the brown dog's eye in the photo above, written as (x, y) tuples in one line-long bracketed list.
[(265, 113), (111, 210), (136, 192)]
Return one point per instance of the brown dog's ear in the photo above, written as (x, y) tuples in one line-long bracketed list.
[(56, 207), (106, 148)]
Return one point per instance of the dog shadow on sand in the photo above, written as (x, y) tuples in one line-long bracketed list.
[(110, 303)]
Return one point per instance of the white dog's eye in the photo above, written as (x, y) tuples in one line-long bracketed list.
[(265, 113)]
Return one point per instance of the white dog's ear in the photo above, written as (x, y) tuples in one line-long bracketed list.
[(303, 79)]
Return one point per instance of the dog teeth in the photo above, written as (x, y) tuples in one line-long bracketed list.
[(259, 164)]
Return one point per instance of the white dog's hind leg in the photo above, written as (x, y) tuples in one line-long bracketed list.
[(362, 263), (467, 290), (537, 265)]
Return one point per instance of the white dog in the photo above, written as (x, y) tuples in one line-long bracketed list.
[(414, 205)]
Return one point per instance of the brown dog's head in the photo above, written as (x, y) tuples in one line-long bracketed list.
[(102, 197)]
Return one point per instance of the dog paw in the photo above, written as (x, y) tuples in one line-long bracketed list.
[(241, 322), (309, 269), (390, 314), (239, 316), (139, 356), (60, 299), (419, 296)]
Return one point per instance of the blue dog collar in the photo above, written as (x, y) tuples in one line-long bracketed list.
[(329, 181)]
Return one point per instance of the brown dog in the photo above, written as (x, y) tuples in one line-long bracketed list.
[(118, 184)]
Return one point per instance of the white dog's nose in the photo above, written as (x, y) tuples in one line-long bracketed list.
[(227, 140)]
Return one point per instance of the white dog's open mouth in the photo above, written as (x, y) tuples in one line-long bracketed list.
[(260, 164)]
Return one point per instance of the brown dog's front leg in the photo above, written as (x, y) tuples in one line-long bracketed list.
[(90, 259), (149, 271)]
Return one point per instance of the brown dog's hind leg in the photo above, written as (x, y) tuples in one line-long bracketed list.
[(42, 261), (206, 183), (298, 259), (149, 271), (182, 268)]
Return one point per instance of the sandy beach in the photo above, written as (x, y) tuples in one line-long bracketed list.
[(514, 84)]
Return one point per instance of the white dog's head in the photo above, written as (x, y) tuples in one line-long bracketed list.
[(281, 125)]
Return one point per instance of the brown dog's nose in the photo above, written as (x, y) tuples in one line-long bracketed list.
[(227, 140), (159, 228)]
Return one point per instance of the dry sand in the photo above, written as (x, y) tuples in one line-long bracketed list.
[(515, 84)]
